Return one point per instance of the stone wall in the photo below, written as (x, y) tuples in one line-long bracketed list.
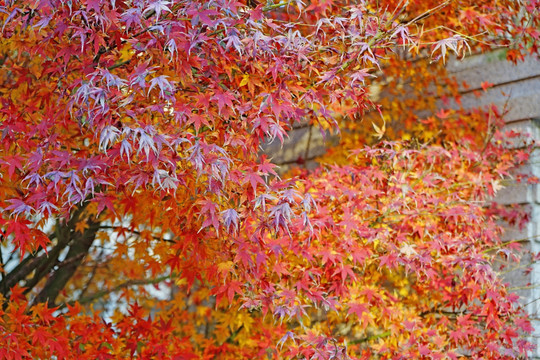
[(515, 90)]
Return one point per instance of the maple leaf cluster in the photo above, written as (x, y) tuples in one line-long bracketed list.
[(140, 220)]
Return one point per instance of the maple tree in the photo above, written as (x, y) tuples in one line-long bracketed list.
[(140, 220)]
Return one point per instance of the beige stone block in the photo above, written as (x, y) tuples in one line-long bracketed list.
[(492, 68), (529, 131), (514, 193), (303, 143), (519, 100)]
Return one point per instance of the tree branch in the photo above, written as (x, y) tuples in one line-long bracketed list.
[(371, 337), (77, 251), (92, 297)]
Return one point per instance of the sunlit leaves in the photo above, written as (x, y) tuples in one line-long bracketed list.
[(130, 164), (455, 43)]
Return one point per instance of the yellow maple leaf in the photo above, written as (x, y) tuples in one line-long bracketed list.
[(245, 80), (225, 267), (379, 131), (81, 226)]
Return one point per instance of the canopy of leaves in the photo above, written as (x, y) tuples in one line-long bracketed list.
[(139, 220)]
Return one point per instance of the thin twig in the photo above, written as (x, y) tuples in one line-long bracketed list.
[(135, 282)]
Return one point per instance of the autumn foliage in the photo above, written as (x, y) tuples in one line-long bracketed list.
[(139, 218)]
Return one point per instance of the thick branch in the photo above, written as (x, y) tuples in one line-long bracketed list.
[(42, 264), (77, 251)]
